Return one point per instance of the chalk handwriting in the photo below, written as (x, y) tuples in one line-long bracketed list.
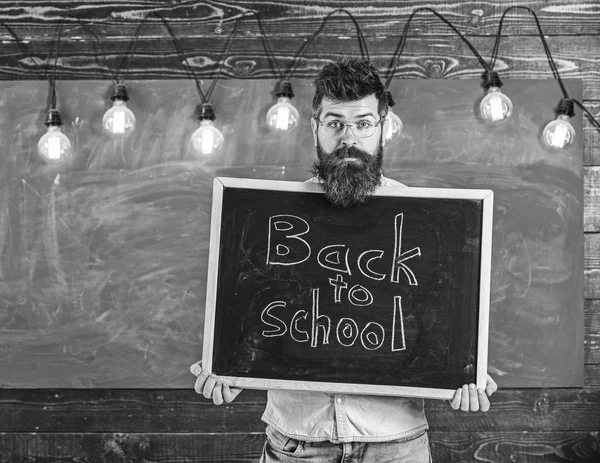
[(333, 259), (292, 253), (318, 327), (288, 244), (401, 257)]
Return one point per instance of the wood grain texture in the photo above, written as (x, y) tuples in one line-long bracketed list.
[(592, 376), (117, 447), (296, 17), (592, 266), (489, 447), (182, 411), (425, 57), (591, 134), (515, 447), (591, 198), (592, 332)]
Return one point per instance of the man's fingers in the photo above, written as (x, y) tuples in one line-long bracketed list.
[(217, 394), (464, 403), (491, 386), (200, 380), (455, 402), (473, 399), (196, 368), (230, 393), (484, 402), (209, 385)]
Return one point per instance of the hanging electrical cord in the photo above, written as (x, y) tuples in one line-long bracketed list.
[(395, 126), (283, 116), (119, 121), (207, 139), (495, 107), (53, 78), (364, 52), (19, 43), (265, 42), (90, 31), (542, 37), (54, 146), (558, 133), (132, 44), (401, 44)]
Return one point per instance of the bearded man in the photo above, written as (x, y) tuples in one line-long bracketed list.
[(349, 120)]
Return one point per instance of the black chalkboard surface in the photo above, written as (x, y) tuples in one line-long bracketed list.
[(390, 297)]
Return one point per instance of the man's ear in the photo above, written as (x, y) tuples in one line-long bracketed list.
[(315, 126)]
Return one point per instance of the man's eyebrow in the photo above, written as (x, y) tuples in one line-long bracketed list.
[(341, 116)]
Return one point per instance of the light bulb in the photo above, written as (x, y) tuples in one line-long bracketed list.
[(495, 106), (207, 139), (282, 116), (119, 121), (394, 127), (559, 133), (54, 146)]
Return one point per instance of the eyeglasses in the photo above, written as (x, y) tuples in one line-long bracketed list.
[(362, 128)]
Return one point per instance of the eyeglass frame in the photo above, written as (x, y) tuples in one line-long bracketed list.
[(322, 124)]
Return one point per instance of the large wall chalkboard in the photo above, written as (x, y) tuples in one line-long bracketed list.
[(103, 272), (385, 294)]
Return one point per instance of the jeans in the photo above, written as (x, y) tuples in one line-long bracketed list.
[(282, 449)]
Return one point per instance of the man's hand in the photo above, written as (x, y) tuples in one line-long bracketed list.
[(211, 387), (468, 398)]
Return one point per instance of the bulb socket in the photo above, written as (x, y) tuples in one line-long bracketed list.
[(120, 93), (206, 112), (284, 88), (567, 107), (492, 79), (53, 118), (390, 98)]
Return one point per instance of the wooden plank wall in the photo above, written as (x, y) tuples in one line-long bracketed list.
[(531, 425)]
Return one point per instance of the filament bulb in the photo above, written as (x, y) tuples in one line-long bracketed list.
[(559, 133), (283, 116), (119, 121), (495, 106), (207, 139), (54, 146)]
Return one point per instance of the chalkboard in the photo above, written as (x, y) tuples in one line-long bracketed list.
[(390, 297), (103, 268)]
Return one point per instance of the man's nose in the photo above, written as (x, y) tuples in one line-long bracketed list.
[(349, 138)]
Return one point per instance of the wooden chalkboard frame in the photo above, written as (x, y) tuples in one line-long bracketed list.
[(219, 186)]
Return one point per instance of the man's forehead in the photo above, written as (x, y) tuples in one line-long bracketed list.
[(349, 109)]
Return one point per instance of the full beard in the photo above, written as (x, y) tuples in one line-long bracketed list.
[(348, 183)]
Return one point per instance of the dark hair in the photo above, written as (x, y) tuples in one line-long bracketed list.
[(349, 79)]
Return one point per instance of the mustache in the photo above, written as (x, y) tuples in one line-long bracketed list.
[(351, 152)]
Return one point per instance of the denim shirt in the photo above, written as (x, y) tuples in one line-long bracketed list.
[(318, 416)]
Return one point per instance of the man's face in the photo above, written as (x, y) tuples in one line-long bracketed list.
[(348, 165)]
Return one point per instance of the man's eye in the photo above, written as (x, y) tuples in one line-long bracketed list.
[(363, 124), (334, 124)]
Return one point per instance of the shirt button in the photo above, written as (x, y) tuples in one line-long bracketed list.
[(339, 400)]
